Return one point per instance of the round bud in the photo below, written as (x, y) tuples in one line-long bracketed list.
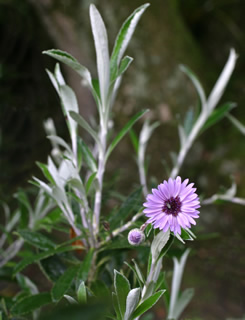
[(136, 237)]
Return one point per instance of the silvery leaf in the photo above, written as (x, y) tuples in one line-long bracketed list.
[(102, 53), (158, 244), (131, 302)]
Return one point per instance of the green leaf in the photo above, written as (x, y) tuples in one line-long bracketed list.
[(124, 37), (147, 304), (217, 115), (43, 255), (139, 273), (116, 306), (85, 266), (27, 286), (23, 199), (134, 139), (131, 204), (84, 124), (71, 62), (136, 274), (187, 234), (52, 218), (88, 156), (37, 239), (196, 84), (45, 171), (31, 303), (96, 87), (125, 129), (52, 267), (125, 63), (122, 287), (90, 311), (82, 293), (63, 283), (90, 181), (100, 289), (117, 244)]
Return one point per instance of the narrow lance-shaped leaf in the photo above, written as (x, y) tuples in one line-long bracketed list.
[(125, 63), (85, 266), (141, 283), (81, 293), (176, 281), (53, 80), (221, 83), (58, 75), (61, 142), (189, 121), (122, 133), (71, 62), (26, 284), (122, 288), (71, 300), (23, 198), (147, 304), (64, 283), (102, 53), (158, 244), (46, 172), (218, 114), (69, 102), (183, 302), (131, 303), (139, 273), (43, 255), (133, 202), (134, 140), (237, 123), (88, 156), (84, 124), (90, 181), (37, 239), (31, 303), (182, 136), (124, 37), (196, 83), (116, 306)]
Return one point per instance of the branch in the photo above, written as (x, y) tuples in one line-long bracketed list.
[(216, 197)]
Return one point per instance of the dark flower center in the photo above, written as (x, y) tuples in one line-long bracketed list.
[(172, 206)]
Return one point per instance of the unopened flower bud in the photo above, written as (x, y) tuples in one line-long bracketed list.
[(136, 237)]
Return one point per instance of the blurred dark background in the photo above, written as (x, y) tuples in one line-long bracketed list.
[(196, 33)]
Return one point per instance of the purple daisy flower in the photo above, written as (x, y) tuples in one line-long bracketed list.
[(173, 205)]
